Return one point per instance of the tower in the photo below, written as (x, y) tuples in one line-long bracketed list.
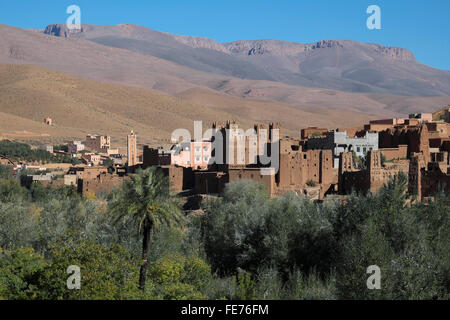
[(131, 149)]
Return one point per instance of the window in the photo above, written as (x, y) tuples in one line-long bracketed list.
[(197, 149), (197, 158), (358, 149), (205, 149), (205, 158), (364, 149)]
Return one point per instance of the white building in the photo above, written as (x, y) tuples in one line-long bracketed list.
[(339, 142)]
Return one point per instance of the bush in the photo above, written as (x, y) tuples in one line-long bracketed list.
[(5, 171), (20, 272), (178, 278), (106, 273), (248, 232), (311, 183), (258, 248)]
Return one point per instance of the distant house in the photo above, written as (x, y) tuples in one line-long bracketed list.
[(91, 158), (339, 142), (75, 147), (422, 117), (48, 121), (98, 143)]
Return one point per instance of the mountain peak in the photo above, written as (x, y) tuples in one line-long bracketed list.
[(285, 48), (61, 30)]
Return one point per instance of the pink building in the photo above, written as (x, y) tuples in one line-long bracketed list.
[(193, 154)]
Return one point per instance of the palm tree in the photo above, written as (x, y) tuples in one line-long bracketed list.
[(146, 199)]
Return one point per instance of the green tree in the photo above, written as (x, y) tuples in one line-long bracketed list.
[(146, 200), (20, 271), (177, 277), (107, 273), (5, 171)]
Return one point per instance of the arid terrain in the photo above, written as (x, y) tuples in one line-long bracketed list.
[(111, 79)]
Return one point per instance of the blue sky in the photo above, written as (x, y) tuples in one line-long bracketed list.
[(423, 26)]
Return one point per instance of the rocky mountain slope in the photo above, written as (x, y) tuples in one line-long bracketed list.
[(332, 64), (87, 86)]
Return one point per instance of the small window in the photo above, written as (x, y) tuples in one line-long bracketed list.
[(358, 149)]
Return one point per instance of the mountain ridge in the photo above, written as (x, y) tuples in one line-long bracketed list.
[(126, 60), (344, 65), (250, 47)]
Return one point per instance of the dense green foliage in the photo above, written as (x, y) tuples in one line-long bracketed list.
[(333, 243), (245, 246), (22, 151)]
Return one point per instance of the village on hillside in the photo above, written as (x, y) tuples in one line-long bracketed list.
[(323, 164)]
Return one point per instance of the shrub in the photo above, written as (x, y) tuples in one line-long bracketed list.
[(311, 183), (179, 278), (20, 272), (106, 273)]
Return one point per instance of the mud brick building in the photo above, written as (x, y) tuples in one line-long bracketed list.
[(426, 177), (155, 157), (91, 158), (74, 146), (384, 124), (87, 173), (416, 137), (104, 182), (97, 143), (301, 169), (319, 164), (371, 179), (399, 153), (311, 132), (340, 142)]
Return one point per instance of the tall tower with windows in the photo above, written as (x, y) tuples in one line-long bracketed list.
[(131, 149)]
